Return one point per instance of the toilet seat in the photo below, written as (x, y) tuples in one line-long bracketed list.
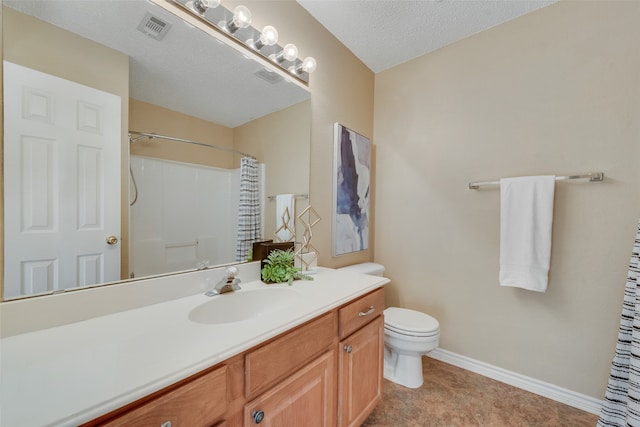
[(410, 322)]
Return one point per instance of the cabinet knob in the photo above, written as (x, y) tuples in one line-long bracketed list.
[(348, 348), (257, 416), (167, 424)]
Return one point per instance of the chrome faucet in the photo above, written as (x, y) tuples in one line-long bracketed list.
[(228, 283)]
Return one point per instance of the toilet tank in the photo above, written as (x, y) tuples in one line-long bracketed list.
[(370, 268)]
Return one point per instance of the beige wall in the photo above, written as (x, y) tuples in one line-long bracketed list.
[(43, 47), (341, 91), (553, 92), (281, 141), (149, 118)]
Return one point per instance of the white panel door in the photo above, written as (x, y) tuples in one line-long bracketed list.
[(62, 183)]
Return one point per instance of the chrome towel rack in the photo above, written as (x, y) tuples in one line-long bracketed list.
[(297, 196), (591, 176)]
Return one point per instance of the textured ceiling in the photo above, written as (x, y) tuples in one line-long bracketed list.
[(385, 33)]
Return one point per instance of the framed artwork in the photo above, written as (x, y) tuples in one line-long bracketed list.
[(351, 192)]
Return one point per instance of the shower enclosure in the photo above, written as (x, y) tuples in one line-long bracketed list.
[(185, 216)]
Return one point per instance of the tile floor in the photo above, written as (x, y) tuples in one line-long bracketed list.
[(454, 397)]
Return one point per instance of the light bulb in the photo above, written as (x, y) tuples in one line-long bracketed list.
[(309, 64), (241, 19), (288, 53), (268, 37), (201, 6)]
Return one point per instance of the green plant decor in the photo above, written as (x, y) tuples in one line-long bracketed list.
[(279, 268)]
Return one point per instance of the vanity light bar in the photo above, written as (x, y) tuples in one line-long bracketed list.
[(236, 25)]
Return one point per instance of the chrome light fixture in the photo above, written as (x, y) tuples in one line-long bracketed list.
[(236, 25)]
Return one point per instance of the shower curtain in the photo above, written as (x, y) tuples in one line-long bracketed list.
[(249, 209), (621, 405)]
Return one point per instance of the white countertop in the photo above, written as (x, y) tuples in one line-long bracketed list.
[(70, 374)]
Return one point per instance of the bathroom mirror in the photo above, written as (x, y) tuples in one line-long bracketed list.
[(186, 85)]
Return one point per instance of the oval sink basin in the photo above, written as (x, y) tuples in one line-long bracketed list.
[(243, 305)]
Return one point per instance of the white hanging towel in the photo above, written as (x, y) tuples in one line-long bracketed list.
[(285, 213), (526, 217)]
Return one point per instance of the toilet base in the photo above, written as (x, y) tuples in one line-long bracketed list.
[(403, 369)]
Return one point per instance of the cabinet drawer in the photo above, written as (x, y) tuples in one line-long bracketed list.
[(200, 402), (283, 356), (360, 312)]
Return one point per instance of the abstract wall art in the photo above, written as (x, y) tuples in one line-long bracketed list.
[(351, 191)]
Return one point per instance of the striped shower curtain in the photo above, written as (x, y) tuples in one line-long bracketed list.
[(249, 209), (621, 405)]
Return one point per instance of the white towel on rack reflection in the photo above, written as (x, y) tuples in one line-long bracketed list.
[(526, 217), (285, 215)]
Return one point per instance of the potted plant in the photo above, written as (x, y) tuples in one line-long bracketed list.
[(278, 268)]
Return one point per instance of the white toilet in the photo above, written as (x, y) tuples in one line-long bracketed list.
[(408, 334)]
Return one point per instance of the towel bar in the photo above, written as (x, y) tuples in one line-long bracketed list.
[(591, 176), (297, 196)]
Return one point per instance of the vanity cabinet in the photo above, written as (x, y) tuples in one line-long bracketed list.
[(324, 373), (360, 360)]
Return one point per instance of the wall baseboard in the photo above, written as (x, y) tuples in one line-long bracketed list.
[(559, 394)]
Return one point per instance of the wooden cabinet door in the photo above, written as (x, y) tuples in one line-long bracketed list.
[(360, 367), (307, 398)]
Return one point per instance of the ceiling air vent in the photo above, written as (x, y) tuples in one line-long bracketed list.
[(153, 26), (268, 76)]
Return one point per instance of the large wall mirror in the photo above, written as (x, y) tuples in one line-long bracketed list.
[(142, 206)]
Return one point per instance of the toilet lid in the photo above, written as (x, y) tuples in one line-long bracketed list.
[(410, 322)]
